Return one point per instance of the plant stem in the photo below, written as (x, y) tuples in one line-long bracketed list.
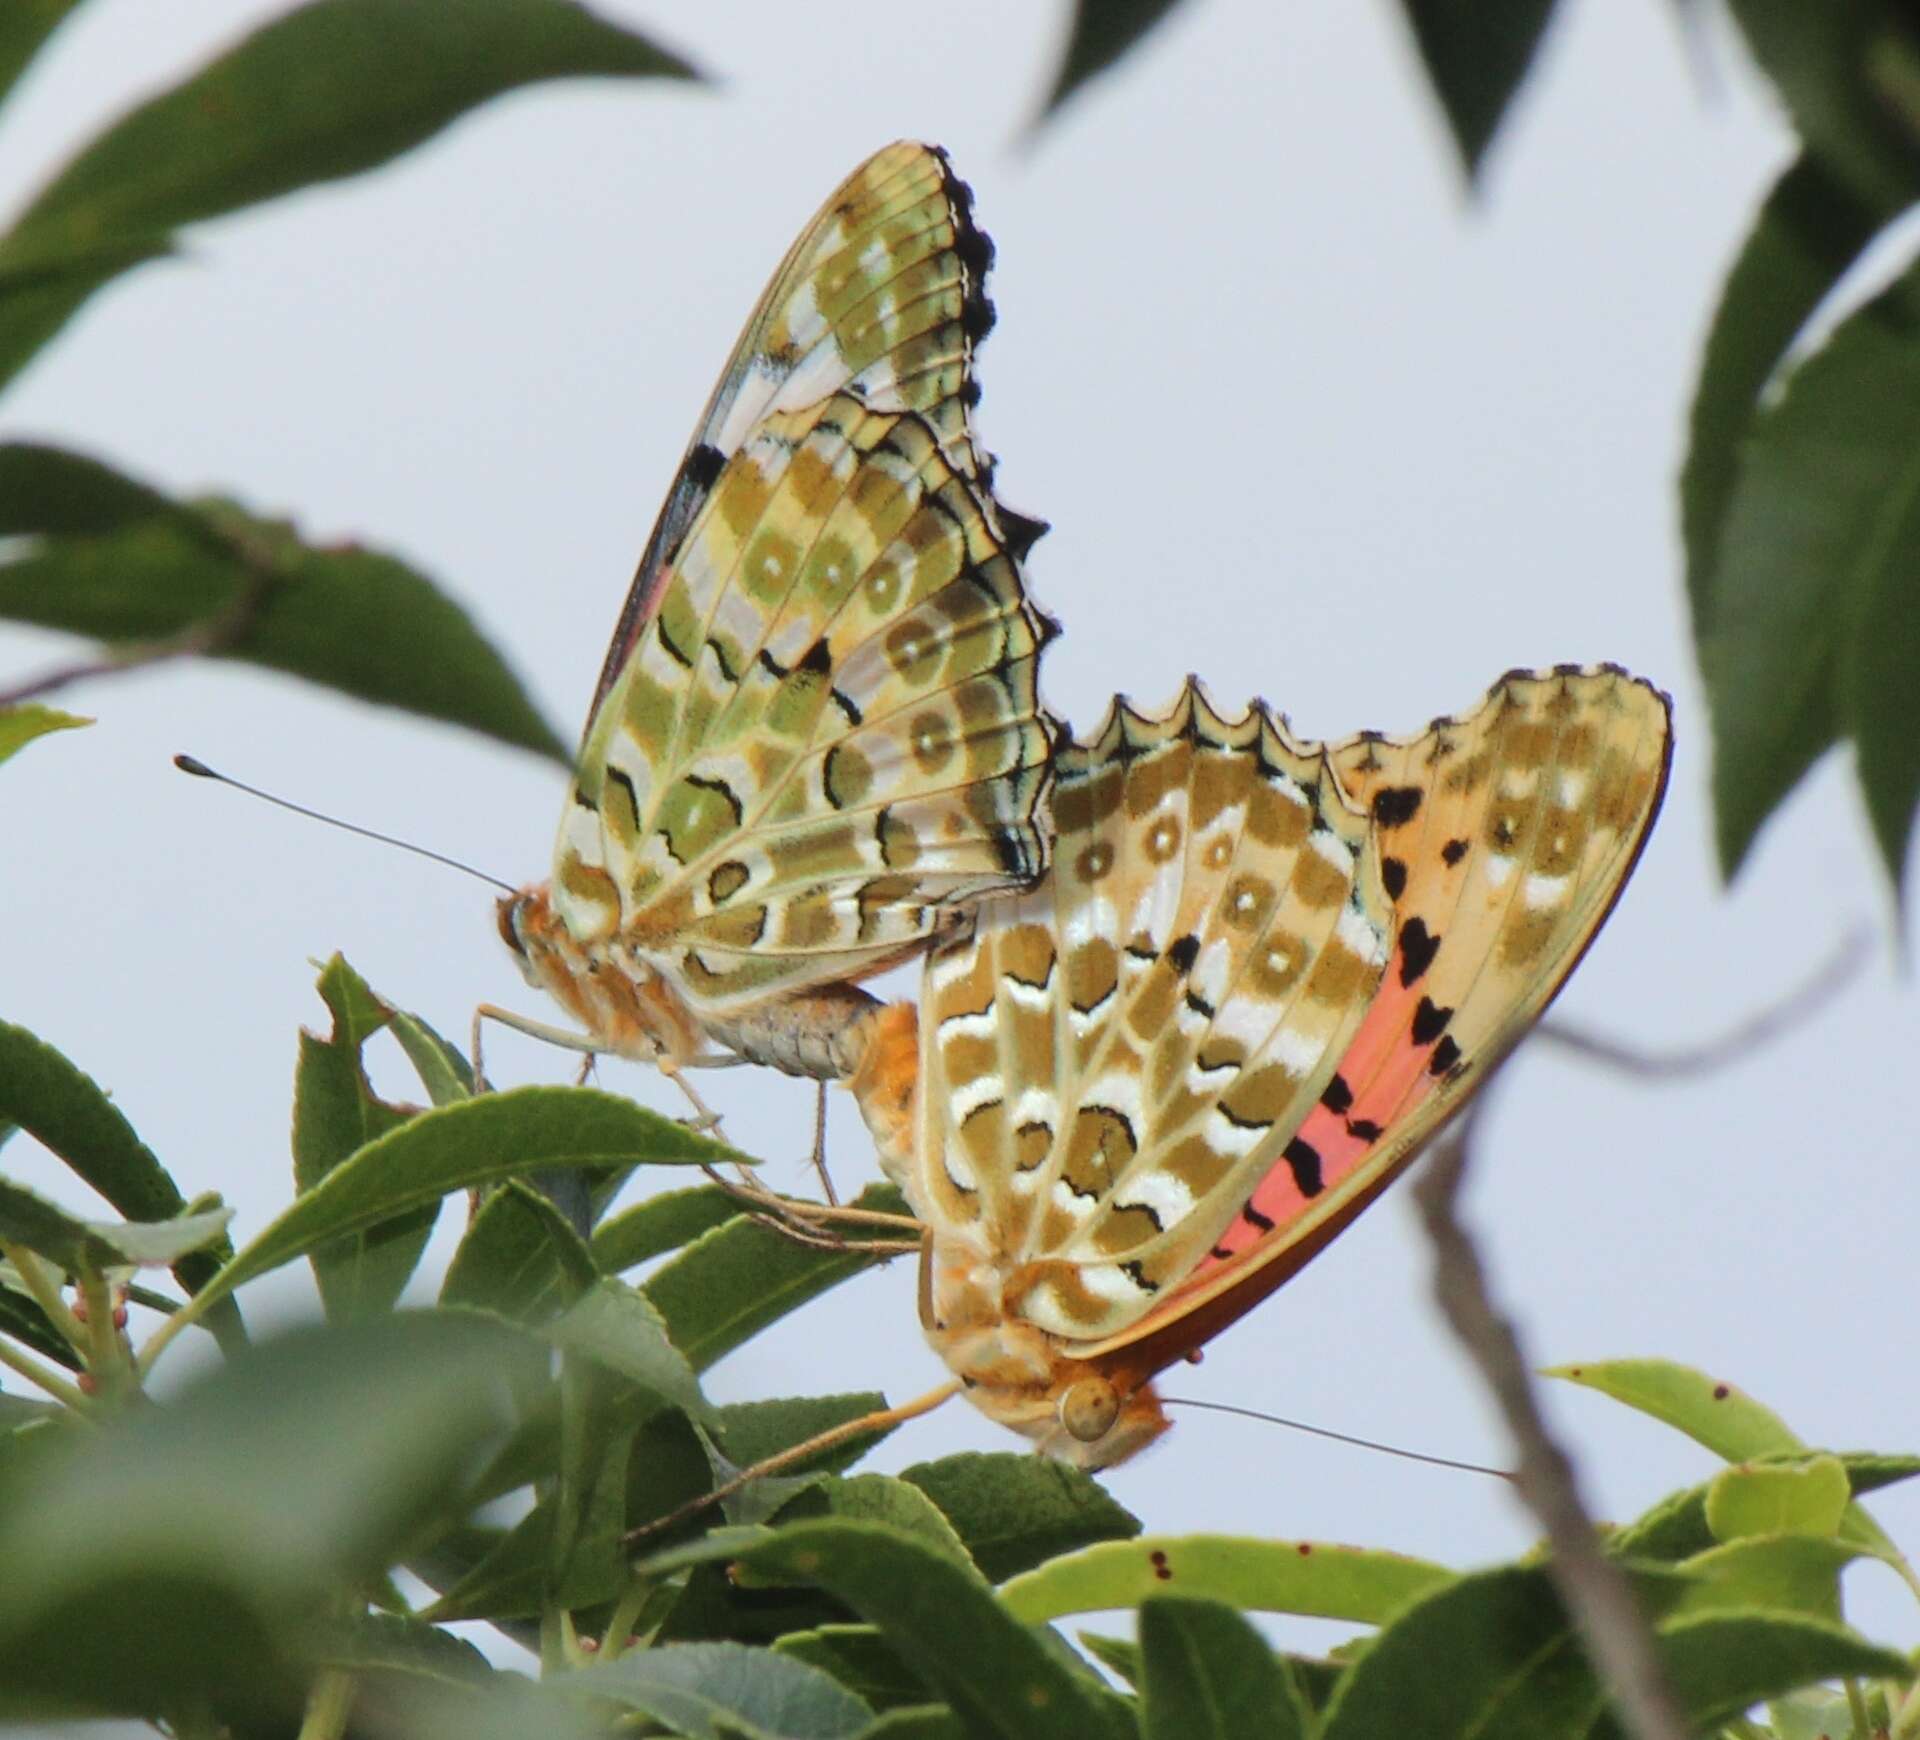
[(37, 1278), (1857, 1709), (329, 1703), (625, 1611), (106, 1353), (26, 1366)]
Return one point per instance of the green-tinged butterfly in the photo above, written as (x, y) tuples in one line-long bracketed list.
[(817, 737), (1262, 975)]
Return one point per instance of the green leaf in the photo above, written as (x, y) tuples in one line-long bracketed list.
[(340, 615), (520, 1258), (444, 1072), (19, 726), (1720, 1664), (336, 1113), (754, 1431), (921, 1722), (1329, 1582), (1804, 1498), (861, 1660), (733, 1282), (1488, 1653), (1842, 69), (1716, 1415), (1015, 1512), (24, 26), (330, 90), (714, 1691), (614, 1326), (93, 1246), (1787, 1573), (1101, 33), (1809, 233), (1676, 1527), (1879, 702), (1000, 1678), (1477, 54), (1208, 1675), (1814, 1715), (880, 1498), (1821, 534), (67, 1112), (391, 1644), (662, 1223), (456, 1147), (230, 1519)]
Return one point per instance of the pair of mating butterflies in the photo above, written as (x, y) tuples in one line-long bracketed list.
[(1195, 992)]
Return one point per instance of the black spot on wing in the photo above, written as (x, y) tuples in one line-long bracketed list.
[(719, 788), (720, 658), (1200, 1006), (1452, 852), (1429, 1021), (1396, 805), (1418, 945), (1363, 1129), (1139, 1276), (1021, 532), (1393, 876), (1183, 952), (1255, 1219), (1303, 1160), (620, 777), (678, 654), (1337, 1096), (773, 667), (1445, 1055), (703, 464)]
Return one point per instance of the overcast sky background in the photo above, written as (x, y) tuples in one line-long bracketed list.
[(1305, 420)]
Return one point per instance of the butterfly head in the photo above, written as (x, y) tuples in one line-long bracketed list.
[(508, 911)]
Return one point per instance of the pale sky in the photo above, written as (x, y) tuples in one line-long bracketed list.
[(1305, 421)]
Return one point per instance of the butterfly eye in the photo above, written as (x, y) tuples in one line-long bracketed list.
[(1088, 1408), (506, 914)]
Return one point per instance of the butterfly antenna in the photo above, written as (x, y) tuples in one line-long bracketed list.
[(1338, 1437), (200, 770)]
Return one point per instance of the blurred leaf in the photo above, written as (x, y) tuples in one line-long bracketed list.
[(444, 1072), (1786, 1573), (733, 1282), (1723, 1419), (107, 558), (1477, 53), (1720, 1664), (1838, 68), (714, 1691), (24, 26), (95, 1246), (455, 1147), (22, 1318), (1814, 1715), (329, 90), (36, 301), (1512, 1663), (1000, 1678), (1808, 235), (1676, 1527), (159, 1244), (1819, 546), (1804, 1498), (861, 1660), (661, 1223), (511, 1579), (336, 1113), (19, 726), (67, 1112), (1101, 32), (389, 1644), (1329, 1582), (1015, 1512), (229, 1519), (920, 1722), (1208, 1675)]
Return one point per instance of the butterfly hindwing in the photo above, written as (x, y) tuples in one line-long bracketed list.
[(1111, 1062), (1504, 839)]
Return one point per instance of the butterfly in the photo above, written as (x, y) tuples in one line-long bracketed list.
[(816, 736), (1263, 974)]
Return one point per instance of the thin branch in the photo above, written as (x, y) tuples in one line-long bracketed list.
[(1793, 1010), (1595, 1591)]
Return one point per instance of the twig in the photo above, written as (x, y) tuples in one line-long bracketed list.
[(1596, 1593), (1796, 1007)]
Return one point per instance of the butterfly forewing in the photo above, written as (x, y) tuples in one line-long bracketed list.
[(1504, 839), (818, 734), (829, 732), (1112, 1062), (882, 293)]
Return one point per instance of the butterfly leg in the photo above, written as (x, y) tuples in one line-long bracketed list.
[(819, 1155), (883, 1420)]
